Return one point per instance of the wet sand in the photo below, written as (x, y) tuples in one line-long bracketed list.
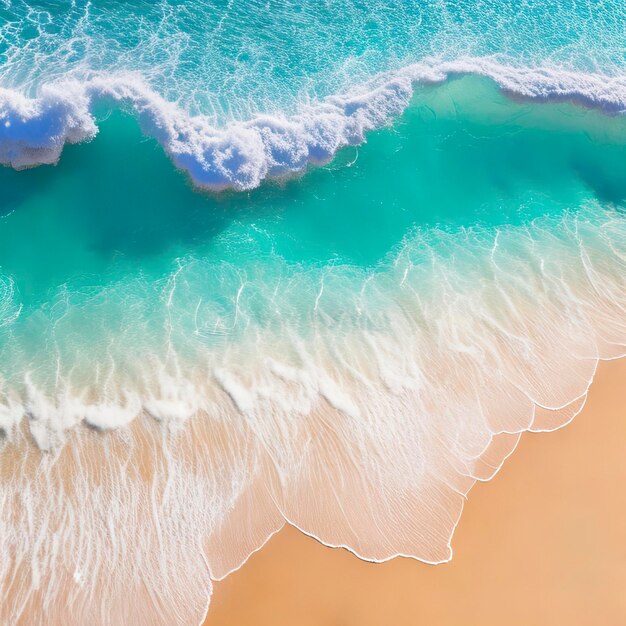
[(543, 543)]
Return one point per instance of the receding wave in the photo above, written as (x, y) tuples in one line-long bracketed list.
[(242, 154), (359, 405)]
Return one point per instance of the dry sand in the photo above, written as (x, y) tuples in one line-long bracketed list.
[(542, 544)]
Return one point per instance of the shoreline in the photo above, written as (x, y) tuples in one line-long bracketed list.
[(508, 548)]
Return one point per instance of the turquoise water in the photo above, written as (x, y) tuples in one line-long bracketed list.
[(461, 155), (303, 262), (83, 242), (228, 59)]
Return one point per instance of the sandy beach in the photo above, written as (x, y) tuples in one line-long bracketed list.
[(543, 543)]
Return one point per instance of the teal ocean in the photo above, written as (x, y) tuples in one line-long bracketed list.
[(315, 263)]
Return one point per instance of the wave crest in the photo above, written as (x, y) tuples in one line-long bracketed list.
[(242, 154)]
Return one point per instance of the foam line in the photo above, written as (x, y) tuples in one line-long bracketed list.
[(242, 154)]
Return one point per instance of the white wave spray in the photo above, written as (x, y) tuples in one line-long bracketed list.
[(242, 154)]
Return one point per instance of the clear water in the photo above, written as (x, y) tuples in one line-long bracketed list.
[(394, 268)]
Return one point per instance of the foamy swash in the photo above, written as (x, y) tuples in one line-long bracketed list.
[(244, 153), (359, 405)]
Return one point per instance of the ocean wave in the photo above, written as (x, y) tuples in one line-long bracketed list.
[(241, 154)]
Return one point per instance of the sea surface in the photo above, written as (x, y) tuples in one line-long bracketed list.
[(304, 262)]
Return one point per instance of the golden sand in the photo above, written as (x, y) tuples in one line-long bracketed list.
[(542, 544)]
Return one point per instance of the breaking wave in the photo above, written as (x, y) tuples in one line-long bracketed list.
[(241, 154)]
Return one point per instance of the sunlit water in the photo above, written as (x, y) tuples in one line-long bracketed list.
[(315, 266)]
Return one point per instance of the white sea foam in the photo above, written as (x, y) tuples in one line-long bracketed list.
[(242, 154)]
